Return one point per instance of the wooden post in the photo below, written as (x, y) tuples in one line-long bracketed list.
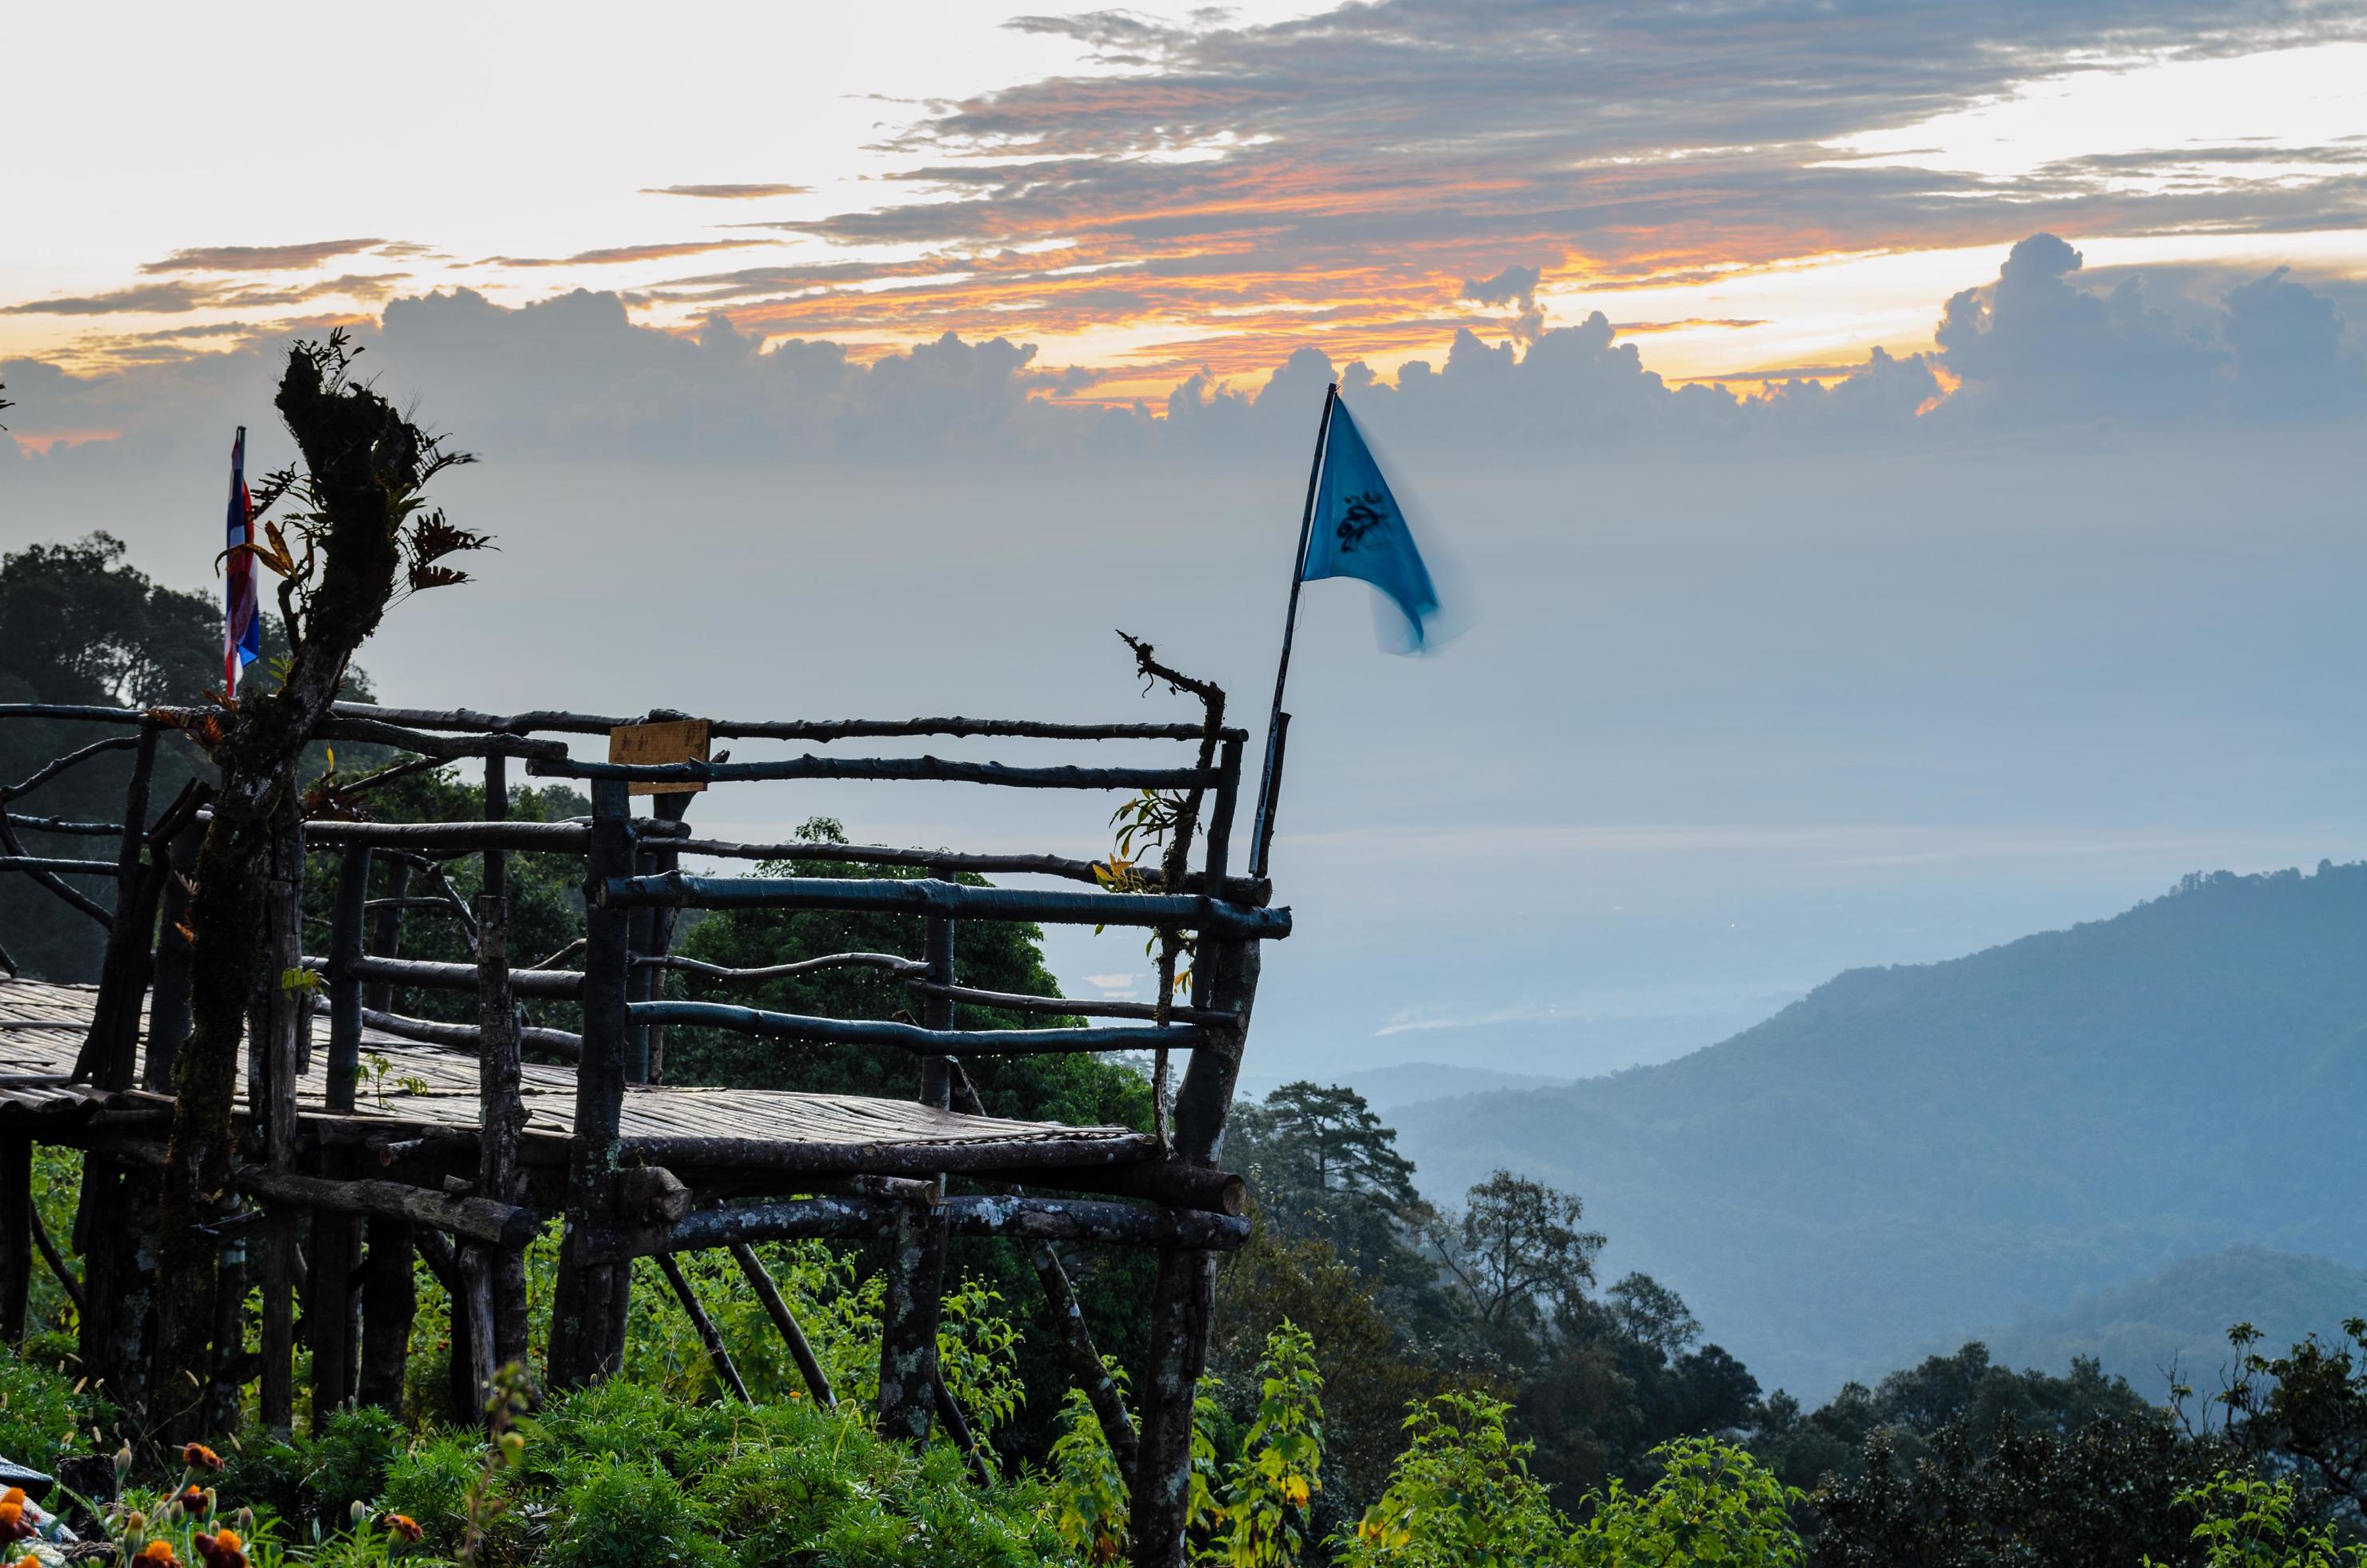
[(272, 1057), (390, 1303), (168, 1008), (916, 1258), (660, 858), (16, 1229), (1183, 1297), (792, 1332), (908, 1321), (709, 1335), (475, 1302), (345, 921), (107, 1054), (587, 1326), (386, 934), (329, 1316), (226, 1374), (501, 1117)]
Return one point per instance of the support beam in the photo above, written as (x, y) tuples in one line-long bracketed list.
[(793, 1334), (1064, 1219), (717, 1355)]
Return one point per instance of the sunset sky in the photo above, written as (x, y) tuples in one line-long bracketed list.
[(1900, 461), (1744, 190)]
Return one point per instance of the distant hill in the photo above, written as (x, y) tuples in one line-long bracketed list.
[(2179, 1317), (1912, 1152)]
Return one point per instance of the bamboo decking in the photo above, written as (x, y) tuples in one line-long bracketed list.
[(428, 1090)]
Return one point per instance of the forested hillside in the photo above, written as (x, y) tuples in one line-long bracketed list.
[(2179, 1317), (1909, 1153)]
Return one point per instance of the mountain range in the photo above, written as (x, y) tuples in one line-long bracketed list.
[(1912, 1154)]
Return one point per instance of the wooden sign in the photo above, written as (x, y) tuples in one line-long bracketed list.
[(675, 740)]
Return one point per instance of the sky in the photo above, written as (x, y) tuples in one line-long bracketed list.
[(1898, 461)]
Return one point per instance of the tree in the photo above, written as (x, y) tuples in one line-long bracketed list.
[(2309, 1404), (365, 536), (1323, 1165), (1516, 1250), (1650, 1313)]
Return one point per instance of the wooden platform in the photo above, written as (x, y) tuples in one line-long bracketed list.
[(42, 1026)]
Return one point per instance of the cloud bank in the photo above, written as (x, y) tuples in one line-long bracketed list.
[(2038, 351)]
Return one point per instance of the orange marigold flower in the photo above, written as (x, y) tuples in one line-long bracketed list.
[(13, 1525), (223, 1550), (404, 1526), (196, 1456), (193, 1500), (158, 1554), (28, 1561), (14, 1495)]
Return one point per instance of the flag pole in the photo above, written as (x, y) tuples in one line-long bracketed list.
[(1278, 721)]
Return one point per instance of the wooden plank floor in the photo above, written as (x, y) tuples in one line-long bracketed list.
[(42, 1026)]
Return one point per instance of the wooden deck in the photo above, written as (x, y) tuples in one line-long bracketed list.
[(42, 1026)]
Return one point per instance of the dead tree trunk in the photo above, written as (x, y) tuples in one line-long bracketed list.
[(364, 465)]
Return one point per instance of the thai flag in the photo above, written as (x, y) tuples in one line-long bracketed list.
[(242, 624)]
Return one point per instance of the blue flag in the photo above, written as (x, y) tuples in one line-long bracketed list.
[(1358, 530)]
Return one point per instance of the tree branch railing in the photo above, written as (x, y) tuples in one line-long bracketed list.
[(945, 900), (806, 1029)]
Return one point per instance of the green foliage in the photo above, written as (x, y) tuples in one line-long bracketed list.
[(430, 1482), (2251, 1523), (40, 1413), (1087, 1502), (629, 1513), (2309, 1405), (1713, 1504), (978, 1350), (319, 1478), (1460, 1495), (1262, 1520), (80, 624)]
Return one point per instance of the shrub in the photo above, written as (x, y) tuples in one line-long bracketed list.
[(1713, 1503), (1460, 1494), (630, 1514)]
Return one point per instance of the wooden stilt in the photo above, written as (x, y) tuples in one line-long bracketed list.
[(230, 1365), (501, 1113), (16, 1231), (475, 1304), (1183, 1297), (908, 1323), (386, 934), (389, 1303), (168, 1009), (916, 1258), (587, 1327)]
